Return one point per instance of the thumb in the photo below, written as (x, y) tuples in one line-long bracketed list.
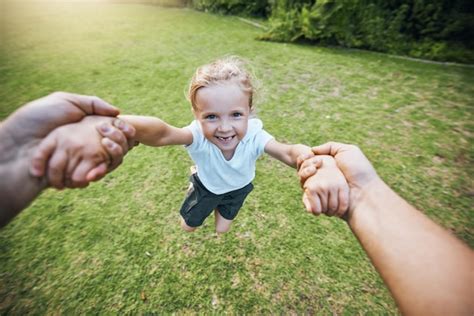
[(92, 105), (329, 148)]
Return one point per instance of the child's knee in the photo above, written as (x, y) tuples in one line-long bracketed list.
[(186, 227)]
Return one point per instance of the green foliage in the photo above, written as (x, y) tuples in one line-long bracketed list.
[(258, 8), (439, 30)]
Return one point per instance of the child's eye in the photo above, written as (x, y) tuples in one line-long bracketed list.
[(210, 117), (237, 114)]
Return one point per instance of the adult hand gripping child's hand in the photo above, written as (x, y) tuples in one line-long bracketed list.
[(75, 154), (325, 187)]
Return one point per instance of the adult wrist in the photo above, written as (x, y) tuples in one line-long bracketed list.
[(363, 199), (17, 188)]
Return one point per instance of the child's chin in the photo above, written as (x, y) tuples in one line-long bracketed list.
[(226, 146)]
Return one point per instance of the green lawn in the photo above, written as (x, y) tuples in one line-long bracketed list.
[(116, 247)]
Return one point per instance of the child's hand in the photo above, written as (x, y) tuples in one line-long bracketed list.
[(309, 168), (325, 187), (76, 154)]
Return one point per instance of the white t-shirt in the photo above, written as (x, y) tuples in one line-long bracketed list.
[(216, 173)]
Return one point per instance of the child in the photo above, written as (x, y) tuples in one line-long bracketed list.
[(224, 142)]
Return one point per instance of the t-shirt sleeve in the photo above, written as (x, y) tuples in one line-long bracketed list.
[(261, 140), (198, 137)]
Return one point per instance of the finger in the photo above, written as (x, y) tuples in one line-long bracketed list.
[(333, 202), (73, 162), (57, 169), (307, 204), (312, 161), (323, 198), (315, 202), (106, 129), (91, 104), (344, 195), (115, 153), (318, 162), (330, 148), (301, 158), (79, 175), (305, 173), (309, 168), (127, 129), (41, 156), (97, 173)]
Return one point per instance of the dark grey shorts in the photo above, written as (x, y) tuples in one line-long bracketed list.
[(200, 202)]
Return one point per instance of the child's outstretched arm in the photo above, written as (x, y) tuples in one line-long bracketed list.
[(287, 154), (152, 131)]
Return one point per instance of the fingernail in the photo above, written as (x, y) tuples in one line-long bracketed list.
[(121, 125), (104, 128), (110, 144)]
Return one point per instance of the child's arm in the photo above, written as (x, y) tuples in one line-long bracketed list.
[(287, 154), (152, 131)]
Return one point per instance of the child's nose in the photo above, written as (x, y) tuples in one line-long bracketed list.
[(225, 126)]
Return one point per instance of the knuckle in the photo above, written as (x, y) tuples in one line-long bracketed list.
[(118, 152), (322, 188), (54, 170), (354, 147), (58, 94)]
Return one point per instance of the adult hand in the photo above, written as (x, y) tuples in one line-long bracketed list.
[(351, 160), (357, 169), (75, 154), (21, 132), (38, 118)]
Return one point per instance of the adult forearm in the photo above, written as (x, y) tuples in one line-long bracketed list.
[(17, 187), (427, 270)]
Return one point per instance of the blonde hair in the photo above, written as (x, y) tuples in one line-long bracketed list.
[(228, 69)]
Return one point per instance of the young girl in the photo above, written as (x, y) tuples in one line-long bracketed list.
[(224, 142)]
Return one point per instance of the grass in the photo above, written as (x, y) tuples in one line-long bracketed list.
[(116, 247)]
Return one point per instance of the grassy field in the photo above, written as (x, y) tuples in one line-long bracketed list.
[(116, 247)]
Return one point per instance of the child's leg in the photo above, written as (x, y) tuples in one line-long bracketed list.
[(229, 207), (197, 206), (186, 227), (222, 224)]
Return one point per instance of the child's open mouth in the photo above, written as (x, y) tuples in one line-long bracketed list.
[(225, 140)]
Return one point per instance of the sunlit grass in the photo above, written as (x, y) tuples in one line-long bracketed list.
[(117, 246)]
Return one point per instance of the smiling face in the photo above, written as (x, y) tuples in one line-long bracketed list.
[(223, 111)]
